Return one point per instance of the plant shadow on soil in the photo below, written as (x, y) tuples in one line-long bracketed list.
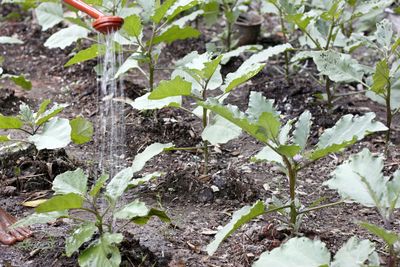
[(187, 196)]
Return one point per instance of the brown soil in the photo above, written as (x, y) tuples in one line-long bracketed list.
[(183, 192)]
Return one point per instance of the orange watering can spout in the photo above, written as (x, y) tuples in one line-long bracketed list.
[(104, 24)]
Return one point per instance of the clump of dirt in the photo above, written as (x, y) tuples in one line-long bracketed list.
[(9, 102)]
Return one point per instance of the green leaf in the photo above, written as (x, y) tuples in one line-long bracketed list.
[(220, 131), (103, 252), (265, 54), (338, 67), (361, 179), (56, 134), (21, 81), (258, 104), (133, 26), (130, 63), (70, 182), (10, 40), (381, 77), (80, 235), (99, 185), (239, 217), (81, 130), (356, 253), (153, 212), (134, 209), (66, 37), (388, 236), (300, 20), (346, 131), (118, 184), (270, 125), (179, 7), (61, 202), (43, 106), (150, 152), (26, 114), (8, 122), (43, 117), (234, 115), (174, 33), (238, 51), (242, 75), (297, 252), (49, 14), (210, 68), (384, 34), (40, 218), (175, 87), (148, 9), (93, 51), (160, 12), (302, 129), (4, 138), (144, 103), (288, 150), (268, 154)]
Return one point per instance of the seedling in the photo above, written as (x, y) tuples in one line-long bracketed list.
[(288, 151), (99, 229), (43, 128)]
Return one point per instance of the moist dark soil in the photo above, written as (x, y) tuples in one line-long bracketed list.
[(190, 198)]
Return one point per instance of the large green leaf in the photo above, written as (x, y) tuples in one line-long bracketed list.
[(269, 125), (21, 81), (40, 218), (384, 34), (302, 129), (175, 87), (148, 8), (381, 77), (180, 6), (338, 67), (356, 253), (160, 12), (242, 75), (220, 131), (45, 116), (92, 52), (81, 130), (61, 202), (144, 103), (102, 252), (70, 182), (80, 235), (361, 179), (8, 122), (150, 152), (174, 33), (268, 154), (234, 115), (240, 217), (134, 209), (346, 131), (118, 184), (66, 37), (133, 26), (265, 54), (236, 52), (49, 14), (153, 212), (388, 236), (297, 252), (258, 104), (56, 134), (148, 177), (130, 63)]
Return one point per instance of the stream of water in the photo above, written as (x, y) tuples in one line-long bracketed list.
[(110, 137)]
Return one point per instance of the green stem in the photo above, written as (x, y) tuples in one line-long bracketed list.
[(291, 173), (320, 207), (283, 28), (392, 257), (388, 115), (328, 91)]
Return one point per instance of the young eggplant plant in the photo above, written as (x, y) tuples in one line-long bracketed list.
[(360, 179), (304, 252), (197, 77), (165, 27), (288, 151), (385, 86), (103, 234), (43, 128)]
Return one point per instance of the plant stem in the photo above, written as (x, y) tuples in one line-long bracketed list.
[(388, 114), (392, 257), (205, 145), (291, 173), (328, 91), (321, 207), (229, 36), (286, 53)]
